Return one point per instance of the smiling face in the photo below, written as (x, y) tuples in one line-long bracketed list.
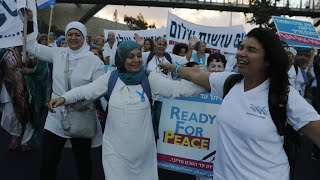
[(182, 52), (74, 39), (100, 42), (147, 46), (133, 61), (251, 59), (160, 46), (63, 43), (215, 66)]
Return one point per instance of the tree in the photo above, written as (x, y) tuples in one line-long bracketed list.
[(262, 11), (115, 16), (137, 23)]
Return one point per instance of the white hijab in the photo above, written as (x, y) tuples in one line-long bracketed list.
[(85, 49)]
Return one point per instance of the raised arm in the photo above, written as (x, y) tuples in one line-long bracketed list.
[(42, 52), (192, 42), (170, 88), (191, 74), (139, 39)]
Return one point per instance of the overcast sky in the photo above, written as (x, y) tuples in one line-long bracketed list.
[(159, 16)]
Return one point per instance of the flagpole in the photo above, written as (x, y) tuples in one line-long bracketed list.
[(25, 27), (50, 20)]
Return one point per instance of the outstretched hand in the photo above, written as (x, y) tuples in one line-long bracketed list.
[(192, 42), (138, 39), (167, 66), (53, 103)]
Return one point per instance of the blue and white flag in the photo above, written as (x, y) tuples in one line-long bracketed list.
[(41, 4)]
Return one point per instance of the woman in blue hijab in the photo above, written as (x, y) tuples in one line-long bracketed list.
[(61, 41), (129, 148)]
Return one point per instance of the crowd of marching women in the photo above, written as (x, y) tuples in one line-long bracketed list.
[(66, 74)]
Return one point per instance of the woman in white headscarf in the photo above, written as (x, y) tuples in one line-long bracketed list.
[(84, 67)]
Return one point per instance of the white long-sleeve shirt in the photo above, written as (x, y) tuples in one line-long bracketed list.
[(128, 149), (84, 71)]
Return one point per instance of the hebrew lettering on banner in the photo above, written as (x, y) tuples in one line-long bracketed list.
[(123, 35), (225, 39), (11, 24), (296, 32)]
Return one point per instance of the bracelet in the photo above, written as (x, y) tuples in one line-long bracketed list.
[(175, 71)]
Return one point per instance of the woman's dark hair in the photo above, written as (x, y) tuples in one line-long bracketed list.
[(89, 40), (218, 58), (191, 64), (277, 70), (117, 62), (151, 43), (177, 47), (41, 36), (301, 60), (99, 51)]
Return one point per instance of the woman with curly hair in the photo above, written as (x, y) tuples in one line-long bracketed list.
[(180, 49), (216, 62), (148, 45), (249, 143)]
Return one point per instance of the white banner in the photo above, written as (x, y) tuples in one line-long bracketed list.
[(122, 35), (188, 134), (225, 39), (11, 22)]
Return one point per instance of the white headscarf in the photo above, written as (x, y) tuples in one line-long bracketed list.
[(293, 51), (85, 49)]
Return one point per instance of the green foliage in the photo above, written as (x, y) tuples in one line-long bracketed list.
[(137, 23), (262, 11), (44, 27)]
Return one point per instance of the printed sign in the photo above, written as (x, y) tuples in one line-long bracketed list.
[(187, 134), (296, 32)]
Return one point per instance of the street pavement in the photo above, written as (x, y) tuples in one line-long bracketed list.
[(18, 165)]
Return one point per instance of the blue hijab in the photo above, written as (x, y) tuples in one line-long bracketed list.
[(123, 50), (60, 38)]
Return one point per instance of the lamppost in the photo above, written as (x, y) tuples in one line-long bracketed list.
[(230, 20)]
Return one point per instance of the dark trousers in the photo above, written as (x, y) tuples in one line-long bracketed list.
[(52, 147)]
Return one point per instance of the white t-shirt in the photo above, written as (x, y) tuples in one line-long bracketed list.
[(311, 70), (202, 60), (295, 79), (153, 63), (110, 51), (153, 66), (248, 145), (231, 62)]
